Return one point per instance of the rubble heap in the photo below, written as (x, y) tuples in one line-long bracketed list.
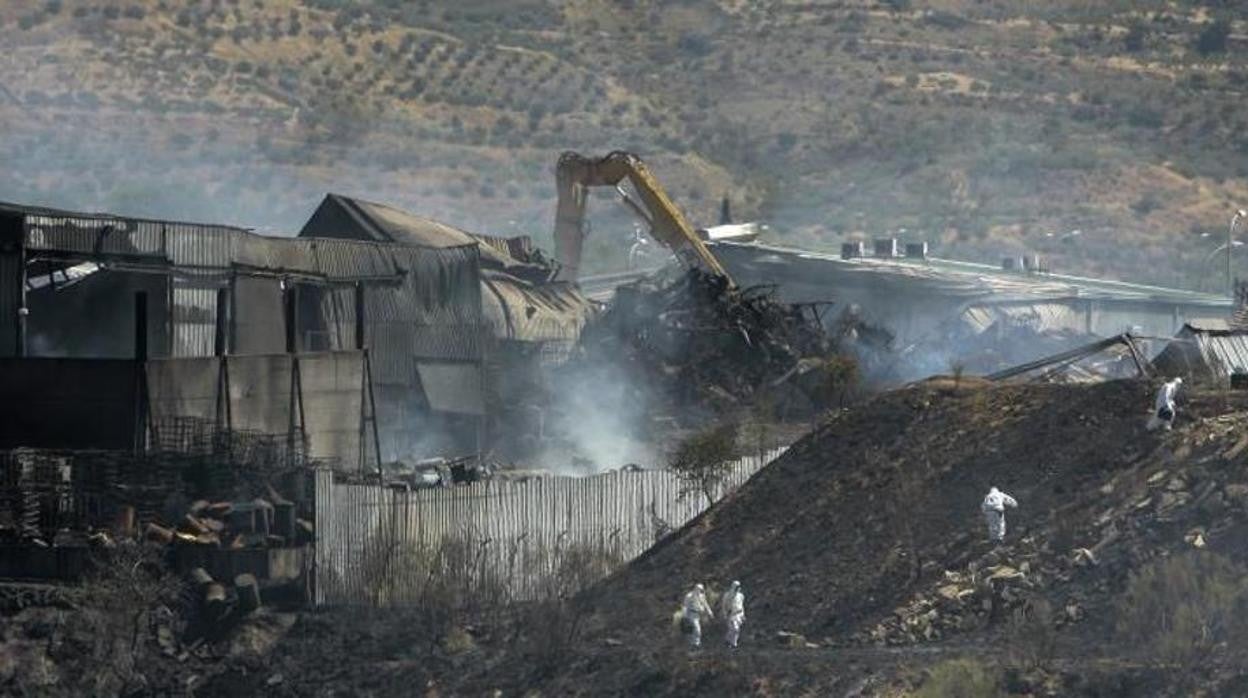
[(702, 342)]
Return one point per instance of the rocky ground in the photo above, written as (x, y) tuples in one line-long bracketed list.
[(867, 572)]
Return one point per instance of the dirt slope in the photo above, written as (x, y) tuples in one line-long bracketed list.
[(867, 533), (825, 538)]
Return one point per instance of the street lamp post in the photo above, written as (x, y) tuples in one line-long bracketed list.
[(1230, 232)]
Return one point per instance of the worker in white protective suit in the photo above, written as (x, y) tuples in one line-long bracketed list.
[(994, 513), (1163, 407), (694, 608), (732, 607)]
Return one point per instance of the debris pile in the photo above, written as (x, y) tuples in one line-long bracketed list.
[(704, 343), (262, 522)]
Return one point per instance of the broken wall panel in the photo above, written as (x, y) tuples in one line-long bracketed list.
[(452, 387), (332, 403), (184, 387), (94, 318), (259, 323), (260, 393), (194, 319)]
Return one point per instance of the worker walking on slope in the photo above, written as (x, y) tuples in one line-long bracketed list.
[(1163, 408), (994, 513), (695, 606), (732, 606)]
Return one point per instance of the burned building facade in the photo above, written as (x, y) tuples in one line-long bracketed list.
[(358, 346)]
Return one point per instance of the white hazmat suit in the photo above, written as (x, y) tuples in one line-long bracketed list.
[(1163, 408), (694, 607), (732, 607), (994, 513)]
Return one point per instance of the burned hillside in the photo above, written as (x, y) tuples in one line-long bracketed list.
[(868, 532)]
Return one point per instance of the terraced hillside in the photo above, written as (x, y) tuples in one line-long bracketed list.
[(986, 127)]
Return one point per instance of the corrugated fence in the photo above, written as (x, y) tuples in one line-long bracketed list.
[(378, 546)]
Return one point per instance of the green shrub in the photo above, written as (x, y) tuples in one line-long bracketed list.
[(960, 678), (703, 460), (1212, 39), (1178, 608)]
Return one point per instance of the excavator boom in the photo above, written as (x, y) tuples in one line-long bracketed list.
[(575, 173)]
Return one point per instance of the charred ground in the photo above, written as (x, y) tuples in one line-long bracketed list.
[(865, 539)]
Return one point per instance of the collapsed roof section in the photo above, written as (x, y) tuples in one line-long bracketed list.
[(521, 302), (340, 216)]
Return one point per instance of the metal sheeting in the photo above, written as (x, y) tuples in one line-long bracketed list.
[(352, 259), (518, 526), (262, 395), (194, 320), (336, 313), (1206, 356), (184, 387), (517, 310), (1040, 317), (196, 247), (112, 236), (452, 387), (332, 393), (259, 320)]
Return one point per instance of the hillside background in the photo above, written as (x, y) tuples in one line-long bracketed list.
[(988, 127)]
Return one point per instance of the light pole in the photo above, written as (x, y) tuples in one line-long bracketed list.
[(1230, 232)]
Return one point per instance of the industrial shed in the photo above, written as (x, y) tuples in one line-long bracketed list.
[(1205, 351), (70, 290)]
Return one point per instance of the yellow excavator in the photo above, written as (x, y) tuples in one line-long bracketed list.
[(575, 173)]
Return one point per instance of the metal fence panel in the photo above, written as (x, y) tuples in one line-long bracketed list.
[(368, 536)]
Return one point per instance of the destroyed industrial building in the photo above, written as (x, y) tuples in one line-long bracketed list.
[(944, 314)]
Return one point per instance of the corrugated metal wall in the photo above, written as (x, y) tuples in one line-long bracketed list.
[(372, 541), (194, 319)]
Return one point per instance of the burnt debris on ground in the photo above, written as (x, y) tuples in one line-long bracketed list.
[(697, 342)]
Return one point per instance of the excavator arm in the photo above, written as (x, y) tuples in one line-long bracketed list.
[(575, 173)]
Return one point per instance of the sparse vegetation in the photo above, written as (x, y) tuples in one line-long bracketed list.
[(703, 460), (960, 678), (1178, 608)]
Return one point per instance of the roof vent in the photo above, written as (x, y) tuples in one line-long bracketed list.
[(886, 247), (853, 250), (916, 250)]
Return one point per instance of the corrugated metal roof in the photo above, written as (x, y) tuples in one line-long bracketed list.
[(1229, 350), (1214, 324), (369, 220), (1205, 354), (520, 311), (955, 278), (1041, 317)]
